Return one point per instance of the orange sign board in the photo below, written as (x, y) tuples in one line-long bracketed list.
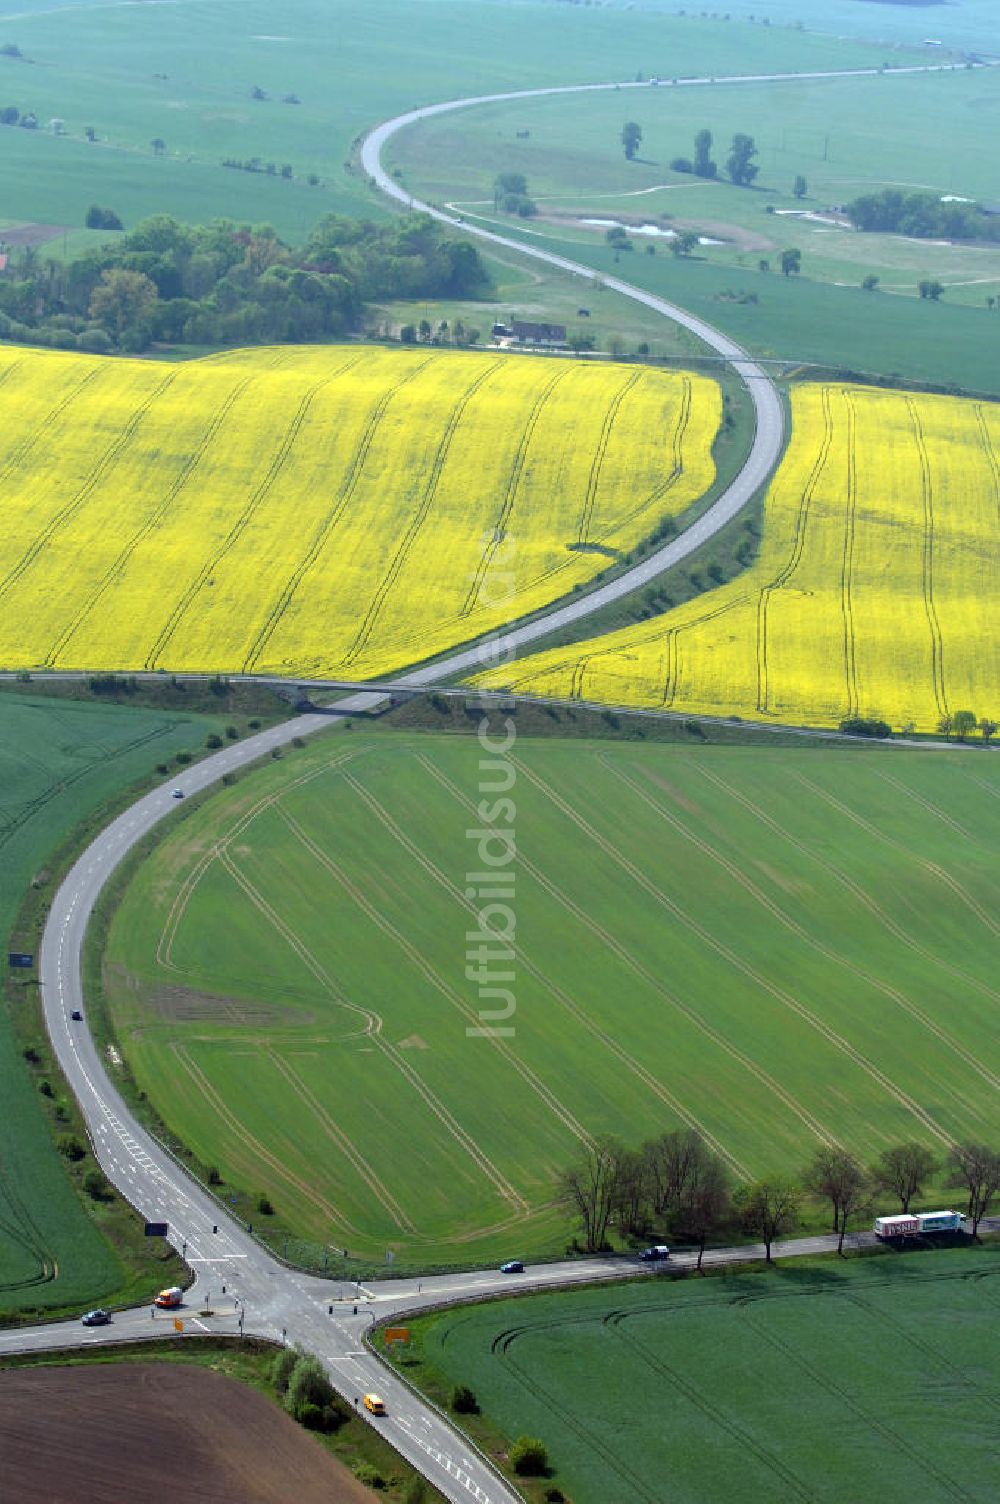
[(397, 1334), (178, 1324)]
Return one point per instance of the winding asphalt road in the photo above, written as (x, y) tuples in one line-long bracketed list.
[(236, 1278), (769, 431), (769, 417)]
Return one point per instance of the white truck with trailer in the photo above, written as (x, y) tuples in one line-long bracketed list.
[(918, 1224)]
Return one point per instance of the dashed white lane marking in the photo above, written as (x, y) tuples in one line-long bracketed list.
[(458, 1472)]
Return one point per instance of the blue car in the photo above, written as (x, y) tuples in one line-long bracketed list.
[(96, 1318), (512, 1266)]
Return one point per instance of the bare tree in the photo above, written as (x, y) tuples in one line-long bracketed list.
[(836, 1176), (688, 1185), (670, 1159), (975, 1169), (904, 1170), (632, 1193), (707, 1204), (856, 1201), (767, 1209), (590, 1188)]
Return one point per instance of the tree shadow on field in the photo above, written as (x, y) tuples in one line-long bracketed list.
[(784, 1279)]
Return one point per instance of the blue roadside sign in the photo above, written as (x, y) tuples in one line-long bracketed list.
[(156, 1229), (19, 958)]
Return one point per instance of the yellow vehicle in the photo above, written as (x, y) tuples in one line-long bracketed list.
[(374, 1404), (169, 1300)]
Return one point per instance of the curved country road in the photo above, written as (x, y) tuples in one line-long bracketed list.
[(769, 424), (769, 415), (236, 1278)]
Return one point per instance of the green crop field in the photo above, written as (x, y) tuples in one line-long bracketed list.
[(777, 947), (967, 25), (805, 322), (970, 24), (844, 136), (184, 74), (821, 1383), (59, 762)]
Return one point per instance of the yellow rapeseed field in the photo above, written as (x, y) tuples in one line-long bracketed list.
[(876, 591), (334, 511)]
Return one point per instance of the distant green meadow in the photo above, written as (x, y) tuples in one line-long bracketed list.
[(844, 136), (801, 323), (184, 74), (774, 947), (968, 24), (818, 1382), (59, 762)]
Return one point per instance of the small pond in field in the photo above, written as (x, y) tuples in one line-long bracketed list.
[(649, 229)]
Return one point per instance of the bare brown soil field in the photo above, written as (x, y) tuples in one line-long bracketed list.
[(114, 1433), (31, 234)]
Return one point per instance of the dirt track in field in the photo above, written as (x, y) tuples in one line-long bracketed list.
[(119, 1432)]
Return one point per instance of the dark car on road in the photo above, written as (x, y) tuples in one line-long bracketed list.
[(656, 1252), (96, 1318), (76, 1016), (512, 1266)]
